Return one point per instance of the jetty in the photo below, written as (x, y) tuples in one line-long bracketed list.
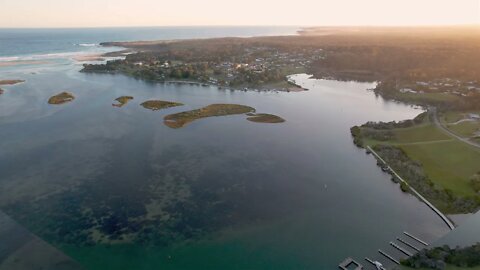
[(377, 264), (407, 244), (389, 257), (401, 249), (348, 263), (416, 239), (396, 246)]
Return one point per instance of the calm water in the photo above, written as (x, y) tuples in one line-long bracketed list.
[(116, 189)]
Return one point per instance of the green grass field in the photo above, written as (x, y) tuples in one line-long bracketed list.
[(448, 164), (451, 117), (465, 129), (422, 133), (428, 97)]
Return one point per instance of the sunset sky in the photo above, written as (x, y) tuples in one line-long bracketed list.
[(101, 13)]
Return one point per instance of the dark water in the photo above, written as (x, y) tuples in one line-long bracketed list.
[(467, 234), (116, 189)]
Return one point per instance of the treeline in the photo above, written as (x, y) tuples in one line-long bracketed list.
[(382, 131), (439, 257), (444, 199), (409, 54)]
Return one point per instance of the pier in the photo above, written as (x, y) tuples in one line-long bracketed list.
[(345, 265), (395, 247), (416, 239), (389, 257), (407, 244), (401, 249), (374, 263)]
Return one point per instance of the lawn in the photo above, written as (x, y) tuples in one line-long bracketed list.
[(451, 117), (448, 164), (428, 97), (465, 129), (422, 133)]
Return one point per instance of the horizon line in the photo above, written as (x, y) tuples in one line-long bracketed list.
[(254, 25)]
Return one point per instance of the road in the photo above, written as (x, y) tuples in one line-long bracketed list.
[(433, 112)]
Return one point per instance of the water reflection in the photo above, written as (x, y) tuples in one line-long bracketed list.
[(97, 180)]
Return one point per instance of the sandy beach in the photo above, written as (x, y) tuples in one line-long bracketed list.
[(17, 63), (89, 57)]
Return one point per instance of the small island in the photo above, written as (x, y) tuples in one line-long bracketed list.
[(10, 82), (123, 100), (179, 120), (265, 118), (61, 98), (156, 105), (1, 91)]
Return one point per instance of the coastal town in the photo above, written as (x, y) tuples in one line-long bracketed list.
[(237, 67)]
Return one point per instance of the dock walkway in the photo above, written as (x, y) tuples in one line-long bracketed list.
[(345, 265)]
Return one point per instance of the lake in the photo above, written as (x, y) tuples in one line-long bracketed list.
[(114, 188)]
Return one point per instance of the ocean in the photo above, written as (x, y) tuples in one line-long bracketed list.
[(38, 44)]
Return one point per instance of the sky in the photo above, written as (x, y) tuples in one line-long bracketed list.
[(107, 13)]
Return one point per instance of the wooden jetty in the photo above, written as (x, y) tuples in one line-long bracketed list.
[(416, 239), (389, 257), (349, 262), (407, 244), (374, 264), (401, 249)]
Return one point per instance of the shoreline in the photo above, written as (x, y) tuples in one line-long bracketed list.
[(89, 57), (445, 219)]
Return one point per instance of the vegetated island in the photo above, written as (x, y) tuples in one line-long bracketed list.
[(264, 118), (10, 82), (444, 257), (121, 101), (61, 98), (156, 105), (181, 119)]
